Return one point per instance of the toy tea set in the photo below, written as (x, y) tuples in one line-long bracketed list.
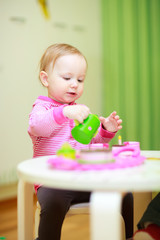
[(98, 156)]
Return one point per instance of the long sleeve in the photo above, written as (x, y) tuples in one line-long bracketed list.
[(44, 120), (103, 136), (49, 128)]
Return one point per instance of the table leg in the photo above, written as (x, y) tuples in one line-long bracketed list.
[(25, 211), (105, 216)]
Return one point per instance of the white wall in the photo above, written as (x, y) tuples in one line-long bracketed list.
[(24, 35)]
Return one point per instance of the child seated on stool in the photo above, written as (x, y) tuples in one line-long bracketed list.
[(149, 225), (62, 71)]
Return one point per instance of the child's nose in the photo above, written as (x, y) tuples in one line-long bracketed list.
[(74, 83)]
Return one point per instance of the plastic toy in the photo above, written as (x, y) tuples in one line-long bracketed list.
[(126, 151), (119, 140), (120, 155), (95, 157), (66, 151), (132, 143), (84, 132), (62, 163), (97, 153)]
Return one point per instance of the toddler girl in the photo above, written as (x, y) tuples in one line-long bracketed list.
[(62, 71)]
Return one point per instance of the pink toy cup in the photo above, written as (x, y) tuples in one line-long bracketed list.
[(132, 143), (133, 151)]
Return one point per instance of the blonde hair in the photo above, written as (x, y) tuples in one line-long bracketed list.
[(55, 51)]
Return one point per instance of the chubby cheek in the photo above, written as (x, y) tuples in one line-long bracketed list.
[(56, 92), (59, 93), (80, 92)]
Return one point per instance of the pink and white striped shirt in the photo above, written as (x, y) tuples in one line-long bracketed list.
[(49, 128)]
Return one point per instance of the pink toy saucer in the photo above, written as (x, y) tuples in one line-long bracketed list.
[(125, 157)]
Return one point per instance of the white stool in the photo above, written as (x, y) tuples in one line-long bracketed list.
[(76, 209)]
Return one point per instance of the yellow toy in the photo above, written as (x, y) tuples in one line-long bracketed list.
[(66, 151)]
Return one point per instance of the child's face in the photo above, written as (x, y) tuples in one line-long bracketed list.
[(66, 79)]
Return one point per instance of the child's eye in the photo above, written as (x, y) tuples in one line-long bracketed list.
[(80, 80), (66, 78)]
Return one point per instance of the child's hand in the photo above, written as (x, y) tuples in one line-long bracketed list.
[(111, 123), (77, 112)]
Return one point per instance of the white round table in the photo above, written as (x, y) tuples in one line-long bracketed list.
[(106, 187)]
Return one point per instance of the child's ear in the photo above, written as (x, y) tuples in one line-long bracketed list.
[(44, 78)]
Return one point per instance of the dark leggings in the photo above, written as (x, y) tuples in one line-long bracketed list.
[(55, 204)]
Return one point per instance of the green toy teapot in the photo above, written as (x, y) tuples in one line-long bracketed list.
[(84, 132)]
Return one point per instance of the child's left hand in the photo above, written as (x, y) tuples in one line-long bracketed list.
[(111, 123)]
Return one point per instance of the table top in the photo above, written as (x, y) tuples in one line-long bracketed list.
[(145, 177)]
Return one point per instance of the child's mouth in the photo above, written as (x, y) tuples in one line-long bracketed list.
[(72, 93)]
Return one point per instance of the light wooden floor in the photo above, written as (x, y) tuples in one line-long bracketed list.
[(8, 219), (74, 227)]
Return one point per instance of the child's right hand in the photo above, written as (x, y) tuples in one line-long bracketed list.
[(76, 112)]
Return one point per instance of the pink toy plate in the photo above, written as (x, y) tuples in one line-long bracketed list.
[(124, 158)]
